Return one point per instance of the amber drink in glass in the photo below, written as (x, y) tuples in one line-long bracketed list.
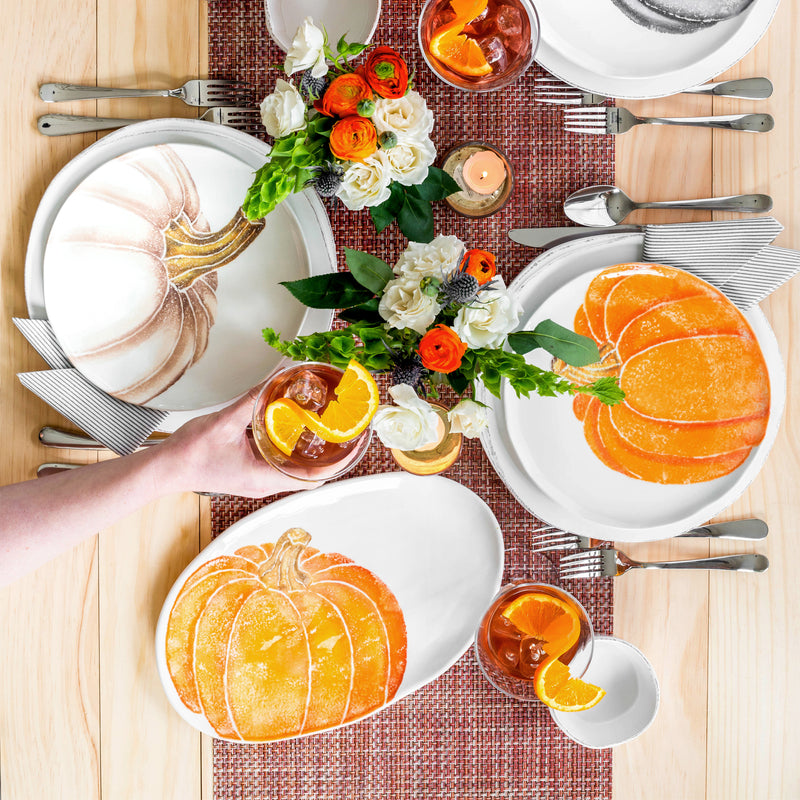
[(312, 386)]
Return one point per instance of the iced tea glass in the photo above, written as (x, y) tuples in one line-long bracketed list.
[(507, 32), (508, 658), (311, 385)]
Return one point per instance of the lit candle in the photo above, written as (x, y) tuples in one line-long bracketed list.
[(484, 172)]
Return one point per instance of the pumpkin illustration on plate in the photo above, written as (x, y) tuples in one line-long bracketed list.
[(137, 259), (278, 641), (696, 384)]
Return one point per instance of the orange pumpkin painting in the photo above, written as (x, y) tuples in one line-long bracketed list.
[(696, 385), (281, 640)]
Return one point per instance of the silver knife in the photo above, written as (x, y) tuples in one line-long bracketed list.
[(55, 437), (550, 237)]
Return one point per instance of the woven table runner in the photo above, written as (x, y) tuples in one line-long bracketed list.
[(457, 738)]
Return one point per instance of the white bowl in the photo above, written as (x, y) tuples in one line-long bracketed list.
[(630, 704)]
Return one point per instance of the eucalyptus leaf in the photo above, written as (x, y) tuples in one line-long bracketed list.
[(570, 347), (370, 271), (334, 290)]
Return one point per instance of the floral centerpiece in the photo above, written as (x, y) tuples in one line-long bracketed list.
[(360, 133), (441, 316)]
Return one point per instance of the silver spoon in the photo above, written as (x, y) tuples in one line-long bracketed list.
[(604, 206)]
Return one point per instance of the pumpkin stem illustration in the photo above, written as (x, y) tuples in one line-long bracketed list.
[(282, 570), (191, 253), (608, 366)]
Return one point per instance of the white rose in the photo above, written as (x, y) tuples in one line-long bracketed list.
[(307, 51), (366, 183), (436, 259), (487, 321), (283, 111), (409, 160), (469, 418), (403, 305), (408, 116), (410, 424)]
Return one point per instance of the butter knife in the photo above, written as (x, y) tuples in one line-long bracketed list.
[(66, 440), (550, 237)]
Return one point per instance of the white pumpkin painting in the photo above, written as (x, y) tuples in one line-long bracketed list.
[(134, 254)]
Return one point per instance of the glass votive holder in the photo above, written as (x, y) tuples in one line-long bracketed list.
[(433, 458), (485, 176)]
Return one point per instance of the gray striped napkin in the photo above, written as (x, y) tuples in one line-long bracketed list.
[(736, 256), (120, 426)]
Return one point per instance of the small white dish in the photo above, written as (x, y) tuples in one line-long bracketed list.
[(356, 20), (631, 701)]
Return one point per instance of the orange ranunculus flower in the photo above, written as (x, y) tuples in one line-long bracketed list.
[(353, 138), (441, 350), (480, 264), (342, 97), (386, 72)]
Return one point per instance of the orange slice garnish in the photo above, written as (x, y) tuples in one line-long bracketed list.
[(552, 621), (556, 689), (454, 48), (283, 425)]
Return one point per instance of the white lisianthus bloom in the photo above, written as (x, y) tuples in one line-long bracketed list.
[(366, 183), (469, 418), (436, 259), (410, 424), (409, 160), (408, 116), (307, 50), (283, 112), (487, 321), (404, 305)]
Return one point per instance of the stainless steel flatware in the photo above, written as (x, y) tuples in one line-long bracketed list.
[(66, 440), (243, 119), (602, 206), (553, 90), (751, 530), (614, 119), (194, 93), (550, 237), (608, 563)]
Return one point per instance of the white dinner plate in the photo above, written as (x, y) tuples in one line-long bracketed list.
[(593, 45), (435, 544), (537, 446), (221, 162)]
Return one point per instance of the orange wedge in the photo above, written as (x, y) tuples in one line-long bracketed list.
[(552, 621), (283, 425), (556, 689), (455, 49)]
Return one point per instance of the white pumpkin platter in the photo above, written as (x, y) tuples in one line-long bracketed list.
[(538, 447), (96, 259), (434, 543)]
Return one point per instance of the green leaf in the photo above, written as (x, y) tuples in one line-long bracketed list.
[(436, 186), (458, 381), (415, 219), (607, 390), (370, 271), (335, 290), (381, 217), (571, 347), (384, 214), (341, 46), (365, 312)]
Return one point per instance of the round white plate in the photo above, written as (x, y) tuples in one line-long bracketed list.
[(435, 544), (593, 45), (356, 20), (222, 162), (537, 446)]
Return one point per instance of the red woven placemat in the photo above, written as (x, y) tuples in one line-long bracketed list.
[(457, 738)]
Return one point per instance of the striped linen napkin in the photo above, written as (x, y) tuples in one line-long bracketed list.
[(736, 256), (120, 426)]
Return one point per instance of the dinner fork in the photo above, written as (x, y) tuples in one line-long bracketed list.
[(243, 119), (545, 539), (614, 119), (553, 90), (608, 562), (193, 93)]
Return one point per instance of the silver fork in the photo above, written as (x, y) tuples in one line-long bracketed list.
[(553, 90), (194, 93), (608, 562), (243, 119), (602, 119), (751, 530)]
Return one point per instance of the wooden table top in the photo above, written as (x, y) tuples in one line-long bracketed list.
[(82, 714)]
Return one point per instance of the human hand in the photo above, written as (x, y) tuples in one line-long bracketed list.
[(214, 454)]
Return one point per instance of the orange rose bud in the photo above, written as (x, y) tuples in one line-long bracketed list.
[(441, 350), (342, 97), (353, 139), (386, 72), (480, 264)]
